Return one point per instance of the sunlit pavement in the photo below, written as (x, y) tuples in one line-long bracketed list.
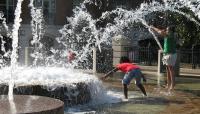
[(185, 99)]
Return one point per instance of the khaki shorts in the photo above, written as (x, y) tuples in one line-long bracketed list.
[(169, 59)]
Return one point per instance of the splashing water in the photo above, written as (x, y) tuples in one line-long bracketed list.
[(4, 23), (8, 53), (37, 24), (83, 30), (14, 54), (123, 19)]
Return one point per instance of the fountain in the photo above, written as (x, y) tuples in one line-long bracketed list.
[(56, 77), (13, 104), (42, 80)]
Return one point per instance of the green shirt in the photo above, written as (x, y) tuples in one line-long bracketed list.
[(169, 44)]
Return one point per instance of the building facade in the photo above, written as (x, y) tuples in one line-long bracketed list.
[(54, 13)]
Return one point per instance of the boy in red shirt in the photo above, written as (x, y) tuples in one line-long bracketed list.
[(131, 71)]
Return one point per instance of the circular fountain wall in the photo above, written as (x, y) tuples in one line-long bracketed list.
[(29, 104), (70, 86)]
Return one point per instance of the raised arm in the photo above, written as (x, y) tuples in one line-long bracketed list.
[(162, 32)]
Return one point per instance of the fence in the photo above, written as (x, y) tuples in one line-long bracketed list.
[(144, 56), (189, 58)]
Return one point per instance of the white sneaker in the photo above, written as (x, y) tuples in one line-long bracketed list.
[(125, 100)]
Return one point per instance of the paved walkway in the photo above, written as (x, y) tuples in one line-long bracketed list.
[(185, 99)]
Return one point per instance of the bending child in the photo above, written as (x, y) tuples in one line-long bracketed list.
[(131, 71)]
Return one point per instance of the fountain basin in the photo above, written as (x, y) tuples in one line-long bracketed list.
[(70, 86), (29, 104), (70, 96)]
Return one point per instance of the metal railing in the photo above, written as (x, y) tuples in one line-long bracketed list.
[(147, 56), (143, 55), (190, 58)]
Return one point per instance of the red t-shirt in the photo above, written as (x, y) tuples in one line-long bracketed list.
[(126, 67)]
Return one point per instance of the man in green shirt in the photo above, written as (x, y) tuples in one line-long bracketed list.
[(169, 57)]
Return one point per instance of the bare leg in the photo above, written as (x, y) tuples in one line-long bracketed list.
[(171, 70), (125, 91), (168, 77), (142, 88)]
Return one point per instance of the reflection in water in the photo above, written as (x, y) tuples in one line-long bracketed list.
[(12, 106)]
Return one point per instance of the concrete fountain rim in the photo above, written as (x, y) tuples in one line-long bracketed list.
[(26, 104)]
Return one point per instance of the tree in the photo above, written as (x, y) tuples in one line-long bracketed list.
[(187, 30)]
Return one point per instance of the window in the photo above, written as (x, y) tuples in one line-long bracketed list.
[(37, 3), (120, 3), (8, 7), (49, 9), (77, 2)]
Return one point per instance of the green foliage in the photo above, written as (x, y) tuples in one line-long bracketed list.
[(187, 30)]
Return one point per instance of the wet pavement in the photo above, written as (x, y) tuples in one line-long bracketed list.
[(185, 99)]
